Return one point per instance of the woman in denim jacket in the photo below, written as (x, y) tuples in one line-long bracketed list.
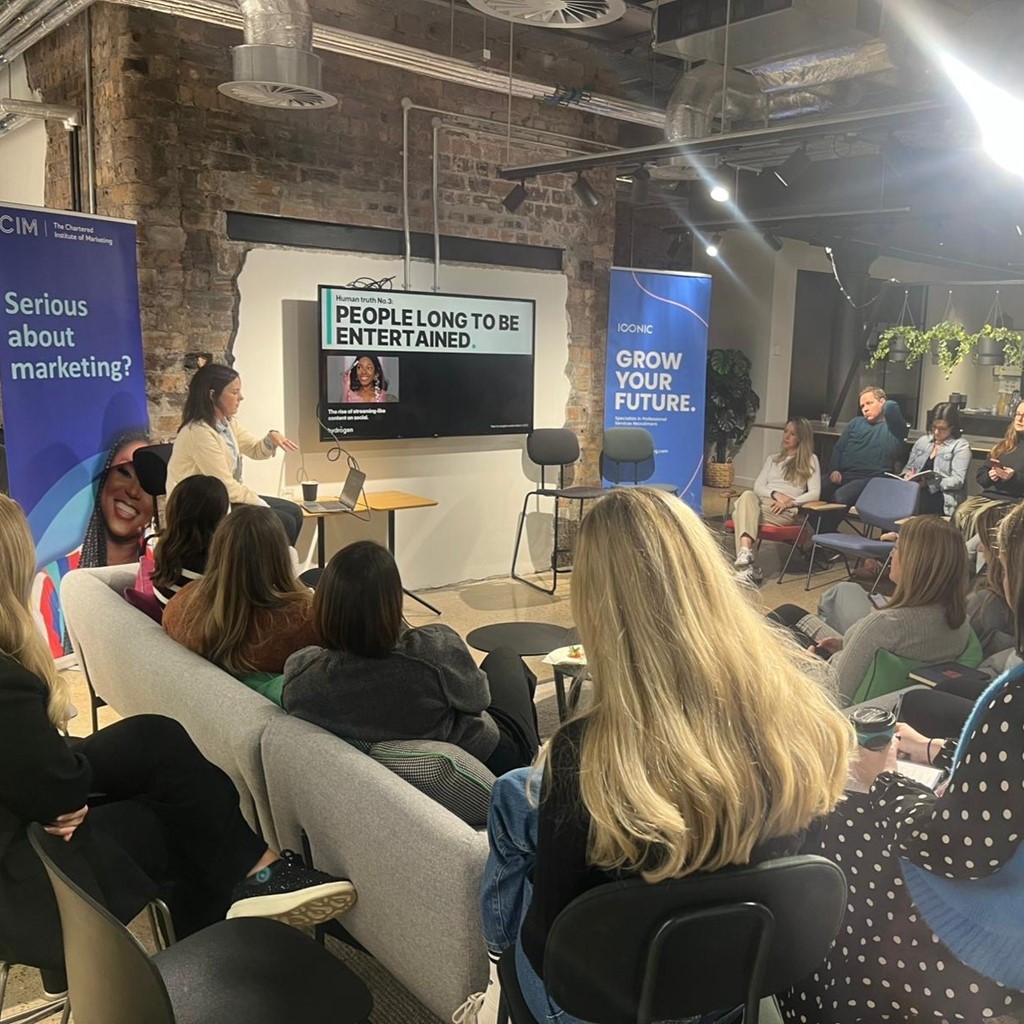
[(948, 454)]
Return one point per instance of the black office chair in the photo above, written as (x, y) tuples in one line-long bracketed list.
[(548, 447), (151, 468), (246, 969), (627, 459), (633, 953)]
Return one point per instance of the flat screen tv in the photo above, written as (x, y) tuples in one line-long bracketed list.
[(423, 364)]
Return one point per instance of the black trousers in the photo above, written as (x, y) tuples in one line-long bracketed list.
[(173, 812), (845, 493), (289, 513), (512, 688)]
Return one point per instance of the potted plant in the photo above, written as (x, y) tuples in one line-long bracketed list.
[(952, 344), (903, 343), (730, 406)]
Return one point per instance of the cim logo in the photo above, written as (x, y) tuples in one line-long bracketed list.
[(11, 225)]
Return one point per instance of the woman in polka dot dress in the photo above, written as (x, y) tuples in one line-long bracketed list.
[(887, 964)]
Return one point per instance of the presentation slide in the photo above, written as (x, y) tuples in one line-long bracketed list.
[(424, 364)]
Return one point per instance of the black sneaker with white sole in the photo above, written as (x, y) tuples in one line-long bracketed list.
[(288, 891)]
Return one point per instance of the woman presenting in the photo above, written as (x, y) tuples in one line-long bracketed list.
[(212, 443)]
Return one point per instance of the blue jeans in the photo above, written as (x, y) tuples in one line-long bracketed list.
[(507, 890)]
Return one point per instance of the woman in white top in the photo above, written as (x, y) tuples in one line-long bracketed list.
[(788, 480), (211, 443)]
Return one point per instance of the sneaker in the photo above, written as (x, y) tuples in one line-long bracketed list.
[(744, 558), (750, 577), (288, 891), (481, 1007)]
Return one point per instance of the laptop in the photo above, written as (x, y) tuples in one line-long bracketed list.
[(346, 501)]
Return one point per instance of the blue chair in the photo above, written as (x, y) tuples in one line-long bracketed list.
[(883, 503), (627, 459)]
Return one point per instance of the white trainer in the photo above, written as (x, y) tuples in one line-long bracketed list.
[(744, 558)]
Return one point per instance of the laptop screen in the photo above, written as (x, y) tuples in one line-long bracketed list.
[(353, 485)]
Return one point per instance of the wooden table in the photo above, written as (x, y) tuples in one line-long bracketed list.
[(374, 501)]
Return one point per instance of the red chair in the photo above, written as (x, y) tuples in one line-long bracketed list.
[(777, 535)]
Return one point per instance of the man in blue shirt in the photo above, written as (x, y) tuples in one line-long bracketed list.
[(869, 446)]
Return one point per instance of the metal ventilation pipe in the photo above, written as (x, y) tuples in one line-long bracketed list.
[(68, 116)]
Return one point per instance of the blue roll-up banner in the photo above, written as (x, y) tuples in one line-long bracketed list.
[(73, 391), (656, 368)]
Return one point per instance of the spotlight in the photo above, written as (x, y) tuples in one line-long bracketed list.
[(515, 198), (719, 192), (772, 241), (793, 166), (641, 179), (1020, 230), (712, 247), (585, 192)]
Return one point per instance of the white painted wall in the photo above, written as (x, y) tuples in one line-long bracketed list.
[(23, 151), (479, 482)]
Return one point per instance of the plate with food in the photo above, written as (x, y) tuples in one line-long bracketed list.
[(571, 655)]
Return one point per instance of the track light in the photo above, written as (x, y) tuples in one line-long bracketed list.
[(585, 192), (793, 166), (641, 179), (712, 247), (515, 198), (719, 192), (772, 241)]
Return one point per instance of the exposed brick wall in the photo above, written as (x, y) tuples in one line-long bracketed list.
[(175, 155)]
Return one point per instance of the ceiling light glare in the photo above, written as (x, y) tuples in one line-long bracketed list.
[(1020, 230), (793, 166), (515, 198), (995, 110), (719, 193), (585, 192), (712, 247)]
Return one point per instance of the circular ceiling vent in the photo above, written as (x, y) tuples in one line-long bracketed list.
[(554, 13), (283, 97)]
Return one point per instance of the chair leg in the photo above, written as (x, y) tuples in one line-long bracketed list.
[(792, 552), (881, 573), (810, 564), (515, 553), (161, 924), (519, 535)]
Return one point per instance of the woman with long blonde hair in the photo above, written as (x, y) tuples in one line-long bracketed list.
[(698, 750), (925, 620), (167, 810), (248, 613), (788, 480)]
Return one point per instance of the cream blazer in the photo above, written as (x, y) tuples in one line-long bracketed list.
[(199, 448)]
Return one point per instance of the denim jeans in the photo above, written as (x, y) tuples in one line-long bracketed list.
[(507, 890)]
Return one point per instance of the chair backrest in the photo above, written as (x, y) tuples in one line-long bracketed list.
[(889, 672), (632, 953), (553, 446), (885, 500), (110, 977), (629, 451), (151, 468)]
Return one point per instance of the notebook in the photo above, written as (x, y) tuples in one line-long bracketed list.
[(949, 672), (346, 501)]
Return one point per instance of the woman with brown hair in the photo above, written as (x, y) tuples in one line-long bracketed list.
[(1001, 478), (374, 679), (248, 613), (925, 620)]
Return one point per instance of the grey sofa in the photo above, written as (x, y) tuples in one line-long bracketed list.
[(417, 866)]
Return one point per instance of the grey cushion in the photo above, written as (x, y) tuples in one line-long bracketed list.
[(443, 771)]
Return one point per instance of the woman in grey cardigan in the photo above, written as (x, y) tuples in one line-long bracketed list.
[(948, 454), (373, 680), (926, 619)]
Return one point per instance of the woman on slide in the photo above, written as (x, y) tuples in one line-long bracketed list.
[(365, 381)]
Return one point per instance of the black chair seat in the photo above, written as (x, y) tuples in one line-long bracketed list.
[(260, 972), (527, 639)]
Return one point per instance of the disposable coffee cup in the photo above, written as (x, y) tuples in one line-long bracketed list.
[(309, 490), (875, 727)]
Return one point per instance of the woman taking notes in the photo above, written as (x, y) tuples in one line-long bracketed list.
[(210, 442), (948, 455), (786, 481)]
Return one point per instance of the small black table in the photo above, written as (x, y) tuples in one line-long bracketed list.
[(527, 639)]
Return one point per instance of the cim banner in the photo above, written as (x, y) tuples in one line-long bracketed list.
[(656, 366), (73, 391)]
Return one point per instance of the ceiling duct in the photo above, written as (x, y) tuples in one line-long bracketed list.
[(554, 13), (276, 66), (27, 109)]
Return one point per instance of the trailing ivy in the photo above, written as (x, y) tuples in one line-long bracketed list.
[(951, 342)]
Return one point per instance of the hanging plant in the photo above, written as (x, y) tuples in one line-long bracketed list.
[(899, 338), (1011, 340), (952, 344)]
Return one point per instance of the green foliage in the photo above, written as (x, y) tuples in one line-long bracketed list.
[(731, 402), (951, 342)]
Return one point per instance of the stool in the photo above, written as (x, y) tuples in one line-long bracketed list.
[(527, 639)]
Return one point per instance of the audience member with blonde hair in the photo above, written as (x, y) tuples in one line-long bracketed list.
[(925, 620), (696, 752), (167, 810), (788, 480), (935, 879), (248, 613), (990, 616)]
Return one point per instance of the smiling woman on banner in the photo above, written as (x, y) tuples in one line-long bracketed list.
[(211, 442), (365, 381)]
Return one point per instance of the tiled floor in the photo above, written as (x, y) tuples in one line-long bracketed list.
[(464, 608)]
